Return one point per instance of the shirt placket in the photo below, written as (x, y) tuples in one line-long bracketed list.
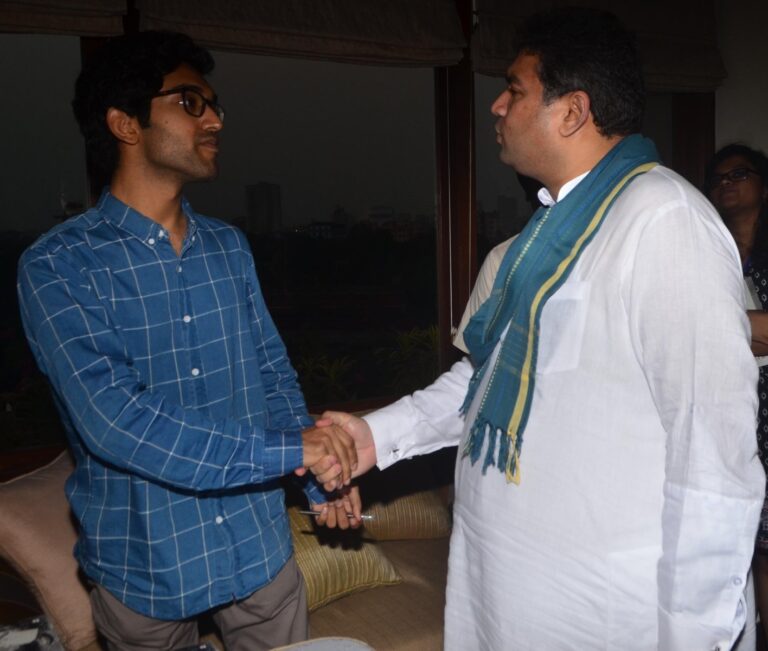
[(220, 537)]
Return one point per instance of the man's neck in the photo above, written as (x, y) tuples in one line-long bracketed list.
[(579, 160), (153, 198)]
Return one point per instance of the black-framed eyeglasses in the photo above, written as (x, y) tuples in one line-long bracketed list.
[(193, 101), (736, 175)]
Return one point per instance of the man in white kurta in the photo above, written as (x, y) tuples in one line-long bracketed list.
[(632, 525), (635, 516)]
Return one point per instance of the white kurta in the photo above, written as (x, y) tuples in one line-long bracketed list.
[(633, 525)]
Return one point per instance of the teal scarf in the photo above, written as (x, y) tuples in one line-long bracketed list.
[(535, 265)]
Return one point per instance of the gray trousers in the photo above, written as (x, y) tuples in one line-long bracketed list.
[(273, 616)]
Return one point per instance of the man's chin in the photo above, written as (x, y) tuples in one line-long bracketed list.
[(210, 175), (507, 159)]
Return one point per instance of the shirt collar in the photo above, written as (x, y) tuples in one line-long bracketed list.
[(546, 198), (138, 225)]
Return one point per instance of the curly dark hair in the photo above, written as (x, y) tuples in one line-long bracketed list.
[(582, 48), (124, 73), (759, 162)]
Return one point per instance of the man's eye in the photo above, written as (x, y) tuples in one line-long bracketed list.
[(192, 102)]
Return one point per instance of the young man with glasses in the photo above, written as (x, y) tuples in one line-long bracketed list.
[(180, 405)]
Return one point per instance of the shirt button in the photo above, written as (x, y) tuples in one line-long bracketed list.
[(178, 268), (161, 234), (195, 372), (186, 318), (219, 519), (737, 580), (151, 241)]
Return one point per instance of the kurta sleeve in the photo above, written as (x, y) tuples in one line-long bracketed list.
[(423, 422), (482, 289), (691, 336)]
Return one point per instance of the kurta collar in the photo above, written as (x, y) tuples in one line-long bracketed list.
[(546, 198)]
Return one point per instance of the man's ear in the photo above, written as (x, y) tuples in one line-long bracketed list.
[(124, 127), (577, 114)]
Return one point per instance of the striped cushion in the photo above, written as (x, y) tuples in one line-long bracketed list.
[(420, 515), (332, 571)]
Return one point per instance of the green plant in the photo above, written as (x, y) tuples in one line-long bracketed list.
[(412, 362), (323, 379)]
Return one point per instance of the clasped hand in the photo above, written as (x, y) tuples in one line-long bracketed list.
[(330, 454), (331, 450)]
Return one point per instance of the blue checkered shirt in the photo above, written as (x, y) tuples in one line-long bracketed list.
[(179, 402)]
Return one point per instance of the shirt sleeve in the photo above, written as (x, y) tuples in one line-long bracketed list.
[(691, 335), (424, 422), (117, 418)]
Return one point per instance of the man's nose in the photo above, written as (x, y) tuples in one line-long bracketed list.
[(213, 121), (499, 106)]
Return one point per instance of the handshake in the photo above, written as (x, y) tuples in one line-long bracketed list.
[(338, 448)]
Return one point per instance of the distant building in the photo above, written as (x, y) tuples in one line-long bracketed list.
[(264, 208), (325, 230), (381, 214), (341, 216)]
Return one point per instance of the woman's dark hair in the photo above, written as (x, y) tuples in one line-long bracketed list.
[(125, 73), (581, 48), (759, 162)]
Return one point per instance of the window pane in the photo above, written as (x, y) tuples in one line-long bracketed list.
[(43, 181), (329, 168)]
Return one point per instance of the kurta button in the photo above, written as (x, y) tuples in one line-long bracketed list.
[(219, 519), (186, 318), (195, 372)]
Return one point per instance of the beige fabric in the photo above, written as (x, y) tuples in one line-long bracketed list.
[(405, 617), (677, 41), (334, 570), (78, 17), (37, 536), (421, 515), (396, 32)]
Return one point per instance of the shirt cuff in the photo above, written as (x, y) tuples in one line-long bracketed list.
[(312, 490), (678, 633), (283, 453)]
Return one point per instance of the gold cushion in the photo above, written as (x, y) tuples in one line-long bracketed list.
[(335, 570), (420, 515)]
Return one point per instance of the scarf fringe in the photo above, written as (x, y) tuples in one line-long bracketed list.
[(508, 458)]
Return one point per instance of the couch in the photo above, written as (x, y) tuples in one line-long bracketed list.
[(383, 584)]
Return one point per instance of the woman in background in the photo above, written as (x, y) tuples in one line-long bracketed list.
[(737, 185)]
